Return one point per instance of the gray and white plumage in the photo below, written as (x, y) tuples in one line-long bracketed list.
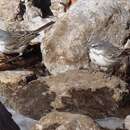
[(16, 42), (104, 54)]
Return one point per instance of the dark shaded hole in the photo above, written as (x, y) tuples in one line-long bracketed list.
[(30, 78), (33, 50), (126, 39), (21, 11), (52, 127), (44, 5), (38, 68)]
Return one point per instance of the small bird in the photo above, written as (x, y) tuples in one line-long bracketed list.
[(105, 55), (17, 42)]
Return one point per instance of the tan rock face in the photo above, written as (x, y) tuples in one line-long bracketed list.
[(65, 121), (15, 77), (65, 46), (12, 80), (8, 9), (81, 92), (127, 122), (57, 8)]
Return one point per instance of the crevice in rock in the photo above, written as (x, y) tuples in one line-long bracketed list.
[(52, 127), (38, 68), (109, 20), (126, 39), (31, 78), (21, 11), (44, 6)]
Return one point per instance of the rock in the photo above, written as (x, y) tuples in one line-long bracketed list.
[(31, 11), (112, 123), (15, 77), (127, 122), (66, 121), (70, 92), (8, 9), (12, 80), (65, 45), (57, 8)]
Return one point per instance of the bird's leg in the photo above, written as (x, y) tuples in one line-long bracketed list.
[(14, 58), (109, 72)]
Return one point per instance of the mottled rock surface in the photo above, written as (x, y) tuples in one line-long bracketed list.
[(127, 122), (15, 77), (65, 46), (8, 9), (71, 92), (10, 81), (57, 8), (65, 121)]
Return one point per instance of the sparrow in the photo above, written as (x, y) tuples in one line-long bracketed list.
[(17, 42), (106, 55)]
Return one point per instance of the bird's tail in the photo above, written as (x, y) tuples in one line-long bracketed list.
[(126, 52), (43, 27)]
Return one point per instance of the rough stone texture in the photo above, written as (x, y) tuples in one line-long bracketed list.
[(65, 46), (8, 9), (65, 121), (57, 8), (10, 81), (71, 92), (127, 122), (15, 77)]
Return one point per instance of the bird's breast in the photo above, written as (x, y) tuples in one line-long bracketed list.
[(2, 42), (2, 47), (98, 57)]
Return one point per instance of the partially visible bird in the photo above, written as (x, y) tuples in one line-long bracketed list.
[(105, 55), (17, 42), (6, 121)]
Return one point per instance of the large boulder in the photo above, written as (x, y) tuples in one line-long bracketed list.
[(66, 121), (127, 122), (81, 92), (8, 9), (65, 45)]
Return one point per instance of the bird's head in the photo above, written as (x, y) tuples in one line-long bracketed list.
[(94, 45)]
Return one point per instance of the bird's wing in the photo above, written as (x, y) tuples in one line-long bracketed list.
[(125, 52), (21, 38), (113, 52)]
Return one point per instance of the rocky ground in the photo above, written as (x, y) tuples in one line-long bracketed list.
[(55, 83)]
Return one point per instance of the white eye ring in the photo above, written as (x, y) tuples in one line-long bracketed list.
[(94, 45)]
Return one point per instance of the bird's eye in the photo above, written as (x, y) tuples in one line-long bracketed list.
[(94, 45)]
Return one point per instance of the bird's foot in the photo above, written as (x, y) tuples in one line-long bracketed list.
[(12, 60), (108, 76)]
